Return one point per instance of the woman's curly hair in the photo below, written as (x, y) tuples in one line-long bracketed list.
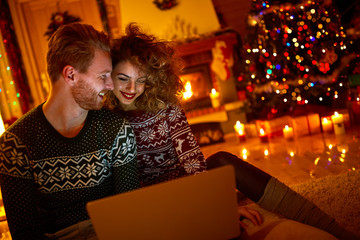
[(159, 62)]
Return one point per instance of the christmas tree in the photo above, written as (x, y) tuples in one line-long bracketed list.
[(294, 55)]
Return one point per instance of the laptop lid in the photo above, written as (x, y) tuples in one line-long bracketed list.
[(201, 206)]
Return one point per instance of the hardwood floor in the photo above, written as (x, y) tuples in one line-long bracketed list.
[(294, 162)]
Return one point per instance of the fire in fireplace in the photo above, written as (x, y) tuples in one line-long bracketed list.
[(198, 86)]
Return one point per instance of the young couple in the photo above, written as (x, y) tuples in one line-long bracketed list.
[(70, 150)]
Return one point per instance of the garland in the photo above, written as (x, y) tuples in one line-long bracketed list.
[(15, 58), (104, 16), (58, 19)]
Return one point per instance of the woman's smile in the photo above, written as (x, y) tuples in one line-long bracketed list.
[(128, 96)]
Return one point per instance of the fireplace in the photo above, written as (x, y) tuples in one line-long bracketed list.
[(198, 75), (198, 84)]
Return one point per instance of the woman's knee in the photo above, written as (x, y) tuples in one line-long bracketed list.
[(222, 158)]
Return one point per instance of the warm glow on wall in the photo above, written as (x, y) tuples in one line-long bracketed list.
[(2, 127), (2, 210), (186, 19)]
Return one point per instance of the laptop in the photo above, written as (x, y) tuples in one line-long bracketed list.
[(201, 206)]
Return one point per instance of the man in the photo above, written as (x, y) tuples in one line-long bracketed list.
[(62, 154)]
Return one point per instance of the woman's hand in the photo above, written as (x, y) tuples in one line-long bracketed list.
[(251, 214)]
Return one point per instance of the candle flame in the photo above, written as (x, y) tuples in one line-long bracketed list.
[(286, 127), (239, 126)]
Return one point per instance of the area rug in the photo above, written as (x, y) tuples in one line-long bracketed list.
[(338, 196)]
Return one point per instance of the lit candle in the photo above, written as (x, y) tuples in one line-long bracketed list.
[(326, 125), (263, 136), (338, 123), (215, 98), (238, 126), (288, 133), (240, 130)]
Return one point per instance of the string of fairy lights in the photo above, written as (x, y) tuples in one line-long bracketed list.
[(296, 55), (9, 95)]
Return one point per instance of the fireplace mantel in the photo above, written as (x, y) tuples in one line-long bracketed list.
[(205, 45), (200, 52)]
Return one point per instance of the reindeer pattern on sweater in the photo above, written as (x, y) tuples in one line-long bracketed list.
[(166, 147)]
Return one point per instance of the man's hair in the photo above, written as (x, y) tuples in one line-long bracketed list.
[(74, 44), (159, 62)]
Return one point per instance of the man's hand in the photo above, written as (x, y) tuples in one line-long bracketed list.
[(251, 214)]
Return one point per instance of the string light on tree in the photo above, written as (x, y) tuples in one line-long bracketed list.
[(313, 47)]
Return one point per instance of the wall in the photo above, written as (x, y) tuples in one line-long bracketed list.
[(233, 13), (187, 18)]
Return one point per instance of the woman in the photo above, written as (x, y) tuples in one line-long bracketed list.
[(147, 89)]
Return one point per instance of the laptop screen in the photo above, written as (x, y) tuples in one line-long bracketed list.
[(201, 206)]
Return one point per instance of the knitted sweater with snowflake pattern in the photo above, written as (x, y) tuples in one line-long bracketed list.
[(47, 179), (166, 147)]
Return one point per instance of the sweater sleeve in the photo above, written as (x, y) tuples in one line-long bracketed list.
[(125, 171), (186, 146), (18, 191)]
